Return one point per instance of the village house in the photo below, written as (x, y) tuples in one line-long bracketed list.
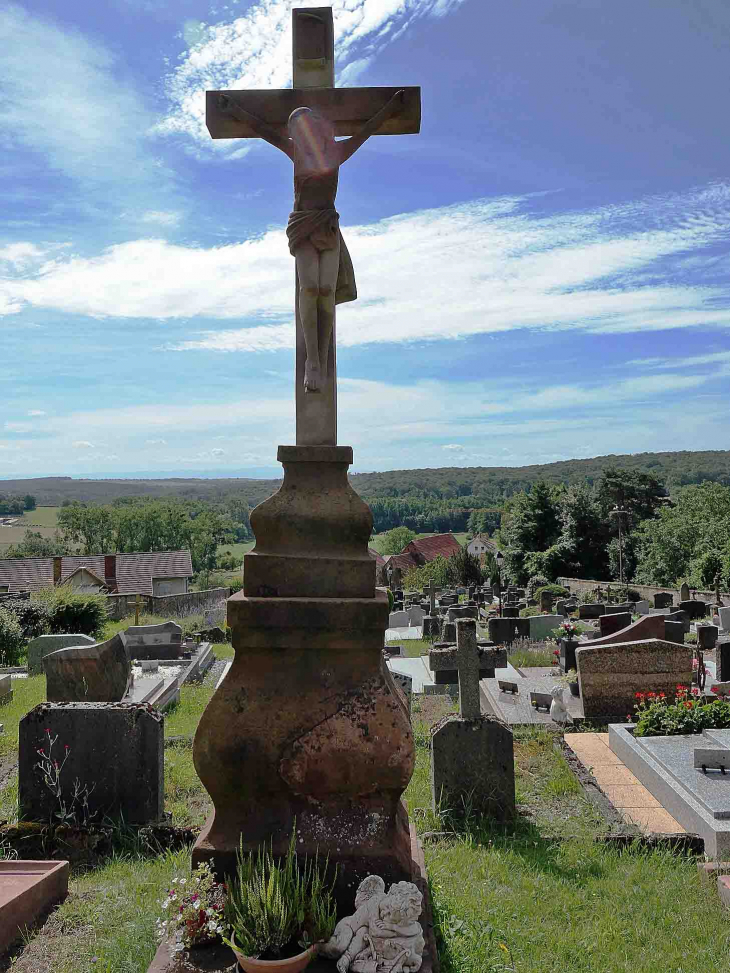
[(480, 545), (155, 573)]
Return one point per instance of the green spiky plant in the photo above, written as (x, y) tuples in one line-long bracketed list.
[(274, 903)]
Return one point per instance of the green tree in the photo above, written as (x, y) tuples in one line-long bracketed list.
[(530, 524), (465, 569), (29, 502), (393, 541), (690, 539), (35, 545)]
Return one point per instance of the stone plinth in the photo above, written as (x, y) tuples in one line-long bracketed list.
[(27, 890), (163, 641), (312, 534), (472, 764), (611, 675), (118, 749), (97, 673), (44, 644), (308, 725)]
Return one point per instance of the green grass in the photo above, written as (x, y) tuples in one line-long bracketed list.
[(238, 549), (43, 520), (27, 693)]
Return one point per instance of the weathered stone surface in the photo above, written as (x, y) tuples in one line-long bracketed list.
[(118, 749), (614, 622), (431, 626), (642, 607), (44, 644), (610, 675), (163, 641), (674, 631), (663, 599), (694, 609), (399, 620), (472, 763), (707, 636), (542, 625), (462, 611), (415, 616), (97, 673), (591, 611), (684, 592), (27, 890), (308, 725), (6, 691), (504, 631), (312, 534)]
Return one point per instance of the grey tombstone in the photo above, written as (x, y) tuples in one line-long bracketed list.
[(663, 599), (546, 601), (503, 631), (117, 751), (684, 592), (399, 619), (6, 692), (45, 644), (162, 641), (448, 631), (97, 673), (591, 611), (643, 607), (472, 756), (542, 625), (724, 614), (415, 616)]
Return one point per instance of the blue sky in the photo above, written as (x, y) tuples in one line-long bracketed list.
[(544, 272)]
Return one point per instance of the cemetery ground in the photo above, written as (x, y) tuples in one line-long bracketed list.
[(547, 893)]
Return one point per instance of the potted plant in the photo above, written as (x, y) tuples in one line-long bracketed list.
[(278, 912), (570, 679)]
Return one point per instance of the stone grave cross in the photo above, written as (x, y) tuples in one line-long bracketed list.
[(302, 121), (467, 660), (431, 592)]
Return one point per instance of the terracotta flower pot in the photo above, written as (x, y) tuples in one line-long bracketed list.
[(292, 964)]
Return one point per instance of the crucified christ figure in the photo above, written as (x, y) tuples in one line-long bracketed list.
[(324, 267)]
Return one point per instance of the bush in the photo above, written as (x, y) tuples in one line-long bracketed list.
[(535, 582), (556, 590), (33, 616), (82, 614), (657, 716), (12, 642)]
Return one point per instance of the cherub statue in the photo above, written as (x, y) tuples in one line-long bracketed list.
[(367, 899), (393, 940), (324, 268), (558, 712)]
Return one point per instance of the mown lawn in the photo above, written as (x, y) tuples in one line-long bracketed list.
[(539, 896)]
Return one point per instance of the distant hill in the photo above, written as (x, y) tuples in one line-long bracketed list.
[(490, 484)]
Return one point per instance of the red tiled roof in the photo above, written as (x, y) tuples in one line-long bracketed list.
[(405, 561), (379, 559), (426, 549), (134, 572)]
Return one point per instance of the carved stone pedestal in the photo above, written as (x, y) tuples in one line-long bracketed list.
[(308, 725)]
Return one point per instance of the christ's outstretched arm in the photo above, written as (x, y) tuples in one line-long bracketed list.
[(265, 131), (351, 145)]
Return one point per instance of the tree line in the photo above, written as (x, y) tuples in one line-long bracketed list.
[(16, 504)]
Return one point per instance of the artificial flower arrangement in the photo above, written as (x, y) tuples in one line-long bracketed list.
[(567, 630)]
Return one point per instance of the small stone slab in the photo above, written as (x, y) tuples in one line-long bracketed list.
[(27, 890), (541, 700), (712, 758), (163, 641), (508, 687)]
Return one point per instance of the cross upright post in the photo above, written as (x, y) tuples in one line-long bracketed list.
[(467, 660), (431, 596), (348, 111)]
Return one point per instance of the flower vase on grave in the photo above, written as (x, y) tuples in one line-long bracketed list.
[(567, 654)]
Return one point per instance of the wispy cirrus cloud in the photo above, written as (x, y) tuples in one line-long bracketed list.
[(480, 267), (254, 51)]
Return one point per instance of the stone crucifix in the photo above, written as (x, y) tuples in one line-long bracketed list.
[(302, 122)]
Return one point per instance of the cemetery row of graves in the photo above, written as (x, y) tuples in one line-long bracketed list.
[(569, 786)]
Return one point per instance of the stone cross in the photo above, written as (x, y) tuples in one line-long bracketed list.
[(467, 660), (431, 592), (347, 110)]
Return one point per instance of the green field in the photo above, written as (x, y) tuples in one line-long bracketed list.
[(43, 520), (238, 549)]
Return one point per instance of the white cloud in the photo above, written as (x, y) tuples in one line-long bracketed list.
[(21, 255), (479, 267), (62, 96), (161, 217), (254, 51), (82, 444), (36, 412), (457, 447), (217, 452), (155, 442)]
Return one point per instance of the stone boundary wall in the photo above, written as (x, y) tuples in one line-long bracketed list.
[(578, 585), (167, 606)]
